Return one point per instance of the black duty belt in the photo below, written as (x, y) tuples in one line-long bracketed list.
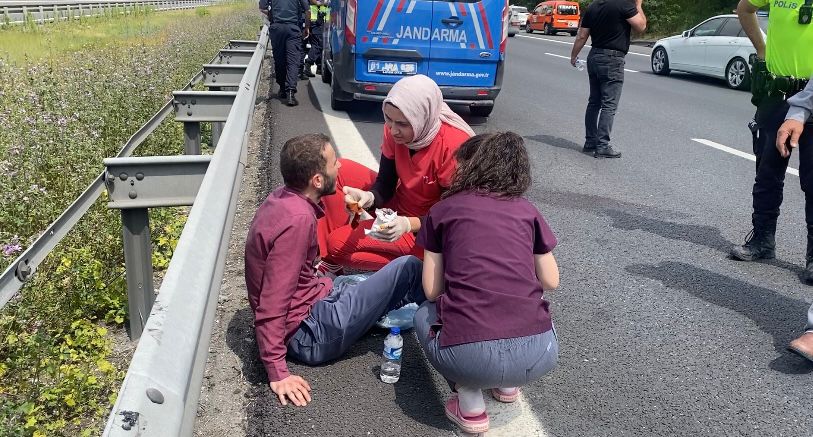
[(610, 52), (786, 86)]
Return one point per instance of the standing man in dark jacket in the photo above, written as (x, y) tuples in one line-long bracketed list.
[(286, 41), (609, 24)]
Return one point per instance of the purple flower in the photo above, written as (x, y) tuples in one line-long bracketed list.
[(12, 247)]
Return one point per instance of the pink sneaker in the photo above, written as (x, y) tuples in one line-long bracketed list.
[(505, 395), (471, 425)]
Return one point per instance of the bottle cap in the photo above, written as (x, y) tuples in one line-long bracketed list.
[(395, 330)]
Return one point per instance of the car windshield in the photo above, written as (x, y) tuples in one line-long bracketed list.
[(568, 10), (520, 9)]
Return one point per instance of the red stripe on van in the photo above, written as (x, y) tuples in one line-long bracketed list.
[(401, 5), (462, 9), (485, 24), (374, 18)]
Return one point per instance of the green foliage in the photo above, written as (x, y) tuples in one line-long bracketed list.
[(60, 367), (202, 12)]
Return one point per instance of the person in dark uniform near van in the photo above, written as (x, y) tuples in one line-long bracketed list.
[(320, 15), (286, 35), (781, 70), (608, 23)]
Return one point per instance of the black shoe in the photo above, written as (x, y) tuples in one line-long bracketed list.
[(319, 69), (606, 152), (291, 99), (807, 274), (308, 71), (282, 94), (303, 76), (589, 148), (759, 244)]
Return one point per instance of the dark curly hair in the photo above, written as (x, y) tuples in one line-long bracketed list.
[(493, 163)]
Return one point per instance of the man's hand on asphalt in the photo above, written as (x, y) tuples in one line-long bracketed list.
[(294, 388), (788, 135)]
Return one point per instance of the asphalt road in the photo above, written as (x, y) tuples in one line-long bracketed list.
[(661, 334)]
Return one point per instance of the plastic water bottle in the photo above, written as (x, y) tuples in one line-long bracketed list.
[(580, 64), (391, 367)]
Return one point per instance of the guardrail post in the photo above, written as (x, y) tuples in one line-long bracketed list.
[(191, 138), (217, 126), (138, 262)]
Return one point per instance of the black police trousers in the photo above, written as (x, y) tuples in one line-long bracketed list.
[(315, 53), (286, 42), (771, 166)]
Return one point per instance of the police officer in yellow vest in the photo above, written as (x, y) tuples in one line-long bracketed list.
[(320, 16), (782, 68)]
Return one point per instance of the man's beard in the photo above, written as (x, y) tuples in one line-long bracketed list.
[(329, 187)]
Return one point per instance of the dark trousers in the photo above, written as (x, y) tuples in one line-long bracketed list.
[(771, 166), (606, 73), (315, 54), (350, 310), (286, 42)]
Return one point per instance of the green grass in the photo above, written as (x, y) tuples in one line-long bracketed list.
[(28, 43)]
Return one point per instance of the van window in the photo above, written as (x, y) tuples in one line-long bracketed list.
[(568, 10)]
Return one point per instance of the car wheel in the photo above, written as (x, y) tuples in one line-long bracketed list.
[(738, 75), (335, 96), (548, 29), (481, 111), (660, 61), (326, 74), (572, 33), (528, 28)]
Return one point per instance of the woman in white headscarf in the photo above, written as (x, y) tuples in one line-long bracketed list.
[(421, 135)]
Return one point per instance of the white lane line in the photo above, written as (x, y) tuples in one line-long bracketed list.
[(570, 44), (736, 152), (568, 58), (346, 137), (507, 420)]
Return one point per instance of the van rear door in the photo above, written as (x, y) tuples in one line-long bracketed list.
[(468, 41), (393, 39)]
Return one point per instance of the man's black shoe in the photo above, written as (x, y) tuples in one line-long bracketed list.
[(282, 94), (291, 99), (760, 243), (588, 148), (606, 152), (807, 274), (308, 71), (303, 76)]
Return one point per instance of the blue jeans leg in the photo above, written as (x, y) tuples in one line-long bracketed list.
[(348, 312), (606, 81)]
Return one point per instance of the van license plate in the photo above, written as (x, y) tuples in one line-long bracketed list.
[(392, 67)]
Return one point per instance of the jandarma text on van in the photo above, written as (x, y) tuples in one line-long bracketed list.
[(426, 33)]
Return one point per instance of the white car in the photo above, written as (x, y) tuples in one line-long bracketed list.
[(717, 47), (519, 16)]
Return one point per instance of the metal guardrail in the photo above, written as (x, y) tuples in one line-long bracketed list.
[(159, 395), (15, 12), (24, 266)]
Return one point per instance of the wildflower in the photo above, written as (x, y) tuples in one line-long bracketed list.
[(11, 247)]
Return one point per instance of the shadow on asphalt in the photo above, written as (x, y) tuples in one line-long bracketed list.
[(775, 314), (551, 140)]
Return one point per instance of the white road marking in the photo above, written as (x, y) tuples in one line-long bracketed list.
[(570, 44), (736, 152), (507, 420), (347, 139), (568, 58)]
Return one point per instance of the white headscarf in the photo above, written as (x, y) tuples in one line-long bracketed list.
[(421, 101)]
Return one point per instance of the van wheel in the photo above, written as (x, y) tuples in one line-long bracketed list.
[(572, 33), (548, 29), (481, 111), (528, 28), (335, 94), (326, 74)]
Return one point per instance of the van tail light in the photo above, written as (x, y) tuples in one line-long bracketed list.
[(505, 24), (350, 22)]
